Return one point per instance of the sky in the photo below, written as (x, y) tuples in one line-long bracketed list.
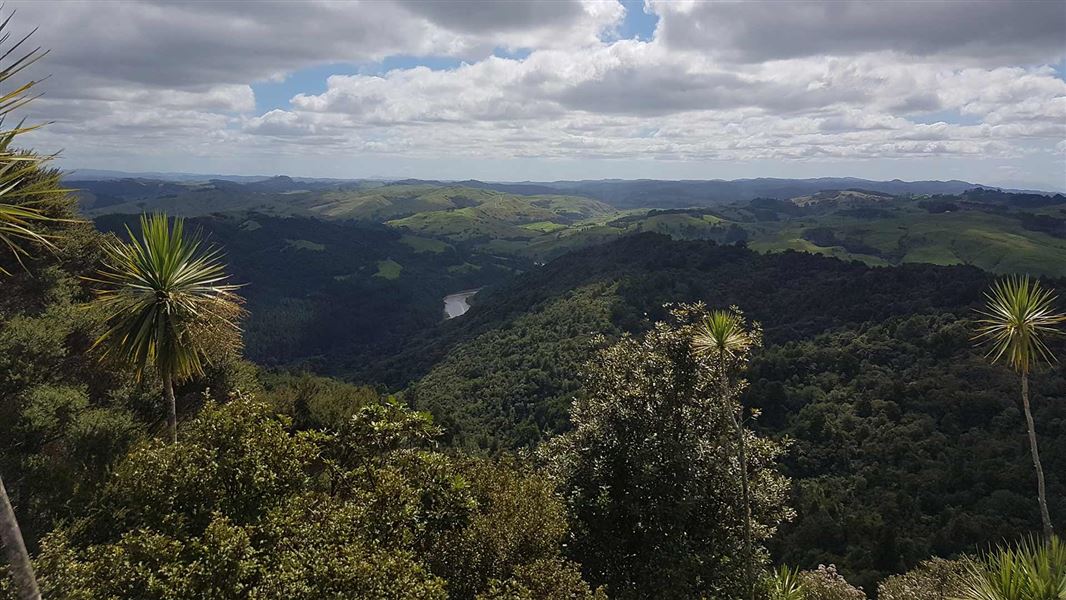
[(561, 89)]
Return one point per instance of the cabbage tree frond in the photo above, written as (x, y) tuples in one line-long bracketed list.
[(785, 583), (23, 185), (23, 190), (723, 336), (167, 300), (1018, 315), (1029, 570)]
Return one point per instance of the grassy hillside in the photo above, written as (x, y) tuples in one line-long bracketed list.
[(991, 241), (995, 231), (394, 201), (1000, 235), (499, 216)]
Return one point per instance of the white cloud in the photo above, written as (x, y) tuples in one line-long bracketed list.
[(602, 102), (987, 31), (721, 83)]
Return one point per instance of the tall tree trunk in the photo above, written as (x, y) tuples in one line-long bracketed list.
[(743, 451), (742, 458), (1045, 518), (172, 408), (15, 550)]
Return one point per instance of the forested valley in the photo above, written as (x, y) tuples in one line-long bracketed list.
[(257, 396)]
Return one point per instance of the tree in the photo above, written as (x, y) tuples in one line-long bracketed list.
[(649, 470), (15, 550), (243, 506), (723, 338), (932, 579), (167, 304), (825, 583), (21, 188), (1018, 315)]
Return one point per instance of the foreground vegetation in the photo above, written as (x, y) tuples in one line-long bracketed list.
[(904, 441)]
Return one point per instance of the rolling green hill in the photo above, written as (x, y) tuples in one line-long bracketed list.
[(499, 216), (394, 201), (996, 231), (900, 230)]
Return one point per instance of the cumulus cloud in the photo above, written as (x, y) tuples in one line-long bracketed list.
[(725, 82), (642, 86), (523, 24), (979, 30), (200, 44)]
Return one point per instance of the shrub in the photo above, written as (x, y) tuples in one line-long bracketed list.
[(784, 584), (934, 579), (1029, 570), (825, 583)]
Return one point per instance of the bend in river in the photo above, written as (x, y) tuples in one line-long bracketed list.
[(456, 305)]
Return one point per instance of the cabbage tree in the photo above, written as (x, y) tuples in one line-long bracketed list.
[(168, 305), (1018, 315), (22, 190), (724, 338)]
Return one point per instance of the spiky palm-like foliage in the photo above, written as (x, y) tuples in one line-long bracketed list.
[(167, 303), (1030, 570), (17, 220), (725, 338), (785, 583), (1019, 314), (22, 188)]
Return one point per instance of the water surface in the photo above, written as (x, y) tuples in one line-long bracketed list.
[(456, 305)]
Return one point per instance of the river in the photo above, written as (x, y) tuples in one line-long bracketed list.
[(456, 305)]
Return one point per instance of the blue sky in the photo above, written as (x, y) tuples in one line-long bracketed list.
[(269, 95), (501, 90), (637, 23)]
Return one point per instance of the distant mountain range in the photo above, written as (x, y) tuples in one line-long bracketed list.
[(616, 192), (106, 175), (880, 223)]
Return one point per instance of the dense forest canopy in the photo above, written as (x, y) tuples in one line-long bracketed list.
[(868, 378), (870, 372), (341, 274), (320, 294), (862, 363)]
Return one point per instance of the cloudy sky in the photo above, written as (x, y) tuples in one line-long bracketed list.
[(566, 89)]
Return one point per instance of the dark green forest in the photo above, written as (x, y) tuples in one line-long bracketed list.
[(897, 440), (904, 442), (301, 277)]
